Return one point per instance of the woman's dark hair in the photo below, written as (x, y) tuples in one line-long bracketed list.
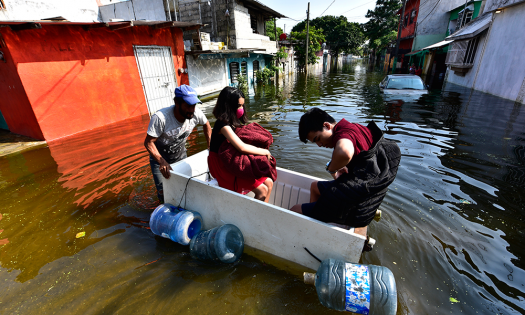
[(313, 120), (226, 108)]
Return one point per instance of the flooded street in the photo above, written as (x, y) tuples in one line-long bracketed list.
[(451, 232)]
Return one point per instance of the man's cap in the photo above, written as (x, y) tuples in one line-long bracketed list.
[(188, 94)]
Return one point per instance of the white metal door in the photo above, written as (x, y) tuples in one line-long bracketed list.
[(157, 74)]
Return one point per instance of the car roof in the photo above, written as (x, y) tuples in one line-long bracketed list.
[(401, 75)]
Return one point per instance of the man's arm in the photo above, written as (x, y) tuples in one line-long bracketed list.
[(343, 153), (206, 129), (149, 143)]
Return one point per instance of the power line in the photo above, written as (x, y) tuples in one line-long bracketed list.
[(358, 6), (419, 22), (327, 8)]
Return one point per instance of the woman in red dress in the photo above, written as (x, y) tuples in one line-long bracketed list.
[(230, 114)]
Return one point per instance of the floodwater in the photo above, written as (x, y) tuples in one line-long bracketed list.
[(452, 227)]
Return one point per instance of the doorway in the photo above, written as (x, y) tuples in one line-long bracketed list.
[(157, 73)]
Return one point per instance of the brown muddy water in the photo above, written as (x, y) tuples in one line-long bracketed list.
[(452, 228)]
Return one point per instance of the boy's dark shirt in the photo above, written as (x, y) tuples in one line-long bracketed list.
[(360, 135)]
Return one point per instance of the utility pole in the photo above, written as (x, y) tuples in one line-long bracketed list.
[(277, 45), (401, 21), (307, 38), (275, 30)]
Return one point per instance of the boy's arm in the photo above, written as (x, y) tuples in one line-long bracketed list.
[(343, 153)]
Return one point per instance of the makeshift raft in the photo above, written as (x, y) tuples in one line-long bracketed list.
[(269, 227)]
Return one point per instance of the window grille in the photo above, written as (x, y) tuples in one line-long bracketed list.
[(234, 71), (470, 53), (462, 53), (253, 22), (456, 53), (412, 16), (244, 69), (255, 66)]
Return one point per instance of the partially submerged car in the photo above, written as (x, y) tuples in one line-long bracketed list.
[(401, 86)]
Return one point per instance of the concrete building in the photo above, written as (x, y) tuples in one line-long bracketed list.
[(58, 78), (239, 26), (27, 10), (433, 21), (487, 54)]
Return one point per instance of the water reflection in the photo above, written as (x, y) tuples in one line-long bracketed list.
[(452, 222)]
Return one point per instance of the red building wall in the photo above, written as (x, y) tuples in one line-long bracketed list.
[(410, 27), (14, 104), (76, 79)]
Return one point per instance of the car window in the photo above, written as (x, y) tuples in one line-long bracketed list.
[(413, 83)]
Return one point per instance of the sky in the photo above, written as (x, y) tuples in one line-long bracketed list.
[(295, 10)]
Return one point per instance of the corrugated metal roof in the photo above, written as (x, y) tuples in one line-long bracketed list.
[(159, 24), (440, 44), (473, 28), (258, 5)]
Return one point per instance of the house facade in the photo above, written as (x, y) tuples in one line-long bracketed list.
[(486, 54), (23, 10), (237, 26), (59, 78)]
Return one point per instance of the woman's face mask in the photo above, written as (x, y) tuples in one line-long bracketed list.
[(240, 112)]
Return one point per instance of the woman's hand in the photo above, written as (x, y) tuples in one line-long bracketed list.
[(268, 155)]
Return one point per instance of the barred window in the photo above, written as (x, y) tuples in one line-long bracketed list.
[(462, 53), (234, 71), (244, 68), (255, 66)]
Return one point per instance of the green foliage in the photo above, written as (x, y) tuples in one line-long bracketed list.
[(270, 30), (262, 76), (341, 35), (273, 68), (242, 82), (316, 37), (382, 27), (281, 53)]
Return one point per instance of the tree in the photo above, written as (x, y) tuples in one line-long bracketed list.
[(382, 27), (341, 35), (270, 30), (316, 37)]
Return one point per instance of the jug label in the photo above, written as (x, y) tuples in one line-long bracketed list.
[(357, 289)]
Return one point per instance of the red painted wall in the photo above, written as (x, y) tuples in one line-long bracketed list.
[(14, 104), (410, 28), (77, 80)]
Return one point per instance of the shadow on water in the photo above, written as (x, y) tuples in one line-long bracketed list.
[(451, 231)]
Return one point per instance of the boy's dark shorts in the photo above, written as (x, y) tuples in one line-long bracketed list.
[(320, 210)]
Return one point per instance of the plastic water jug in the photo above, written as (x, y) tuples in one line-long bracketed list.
[(361, 289), (224, 243), (174, 223)]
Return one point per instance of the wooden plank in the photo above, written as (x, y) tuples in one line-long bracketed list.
[(279, 194), (294, 196), (286, 197)]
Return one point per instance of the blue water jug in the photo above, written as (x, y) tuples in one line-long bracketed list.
[(224, 243), (174, 223), (361, 289)]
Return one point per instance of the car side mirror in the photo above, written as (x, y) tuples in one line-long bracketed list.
[(381, 86)]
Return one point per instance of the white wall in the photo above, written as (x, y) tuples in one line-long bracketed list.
[(501, 70), (151, 10), (432, 21), (207, 76), (72, 10)]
